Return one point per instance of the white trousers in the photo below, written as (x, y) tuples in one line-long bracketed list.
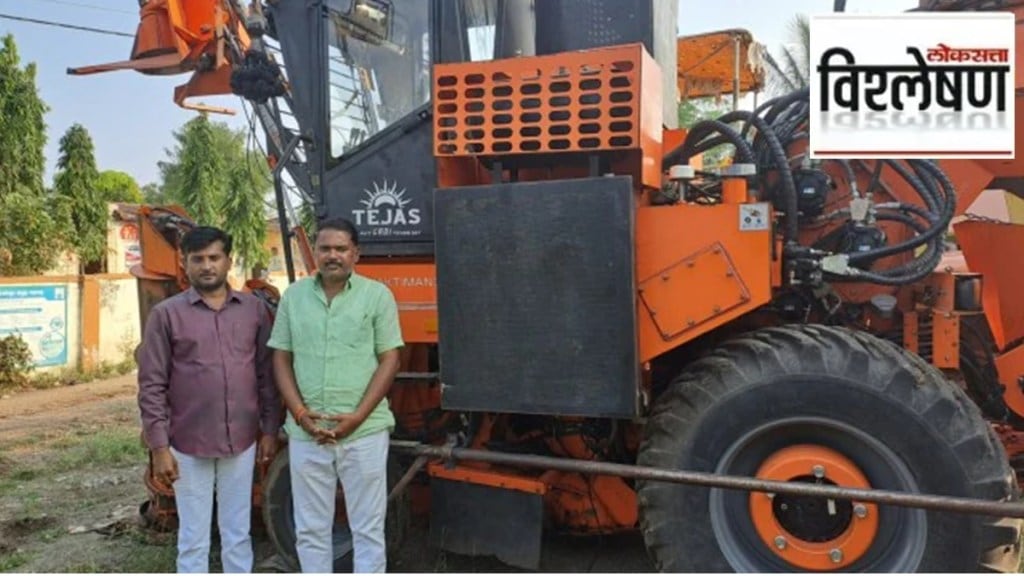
[(232, 479), (315, 470)]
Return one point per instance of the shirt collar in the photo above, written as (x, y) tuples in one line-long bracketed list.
[(194, 297), (352, 279)]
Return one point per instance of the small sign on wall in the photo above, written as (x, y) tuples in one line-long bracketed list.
[(39, 314)]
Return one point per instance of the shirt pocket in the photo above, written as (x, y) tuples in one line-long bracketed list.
[(354, 330), (242, 339)]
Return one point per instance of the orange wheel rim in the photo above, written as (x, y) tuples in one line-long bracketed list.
[(842, 531)]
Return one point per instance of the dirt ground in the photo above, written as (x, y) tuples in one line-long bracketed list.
[(71, 467)]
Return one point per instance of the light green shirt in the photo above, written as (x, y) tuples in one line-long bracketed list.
[(334, 347)]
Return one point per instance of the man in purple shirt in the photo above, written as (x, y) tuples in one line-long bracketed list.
[(208, 402)]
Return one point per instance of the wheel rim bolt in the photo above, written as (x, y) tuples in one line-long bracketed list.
[(836, 555), (819, 471), (780, 542), (860, 510)]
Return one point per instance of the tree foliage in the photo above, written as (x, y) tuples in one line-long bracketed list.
[(307, 219), (29, 238), (197, 178), (22, 129), (244, 213), (694, 110), (219, 182), (78, 197), (793, 72), (152, 193), (117, 186)]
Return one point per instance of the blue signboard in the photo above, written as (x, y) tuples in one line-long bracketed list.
[(39, 314)]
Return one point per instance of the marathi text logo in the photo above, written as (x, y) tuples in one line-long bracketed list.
[(934, 85)]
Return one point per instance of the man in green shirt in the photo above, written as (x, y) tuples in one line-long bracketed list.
[(336, 338)]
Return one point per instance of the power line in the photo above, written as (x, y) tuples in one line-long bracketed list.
[(69, 26), (90, 6)]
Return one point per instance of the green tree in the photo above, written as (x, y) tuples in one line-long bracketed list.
[(78, 197), (117, 186), (244, 209), (29, 238), (197, 178), (152, 193), (219, 182), (793, 71), (307, 219), (22, 129)]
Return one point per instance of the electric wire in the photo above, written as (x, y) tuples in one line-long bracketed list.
[(66, 25), (90, 6)]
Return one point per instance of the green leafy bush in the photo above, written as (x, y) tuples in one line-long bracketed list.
[(15, 361)]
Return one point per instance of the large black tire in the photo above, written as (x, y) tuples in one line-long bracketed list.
[(279, 522), (897, 418)]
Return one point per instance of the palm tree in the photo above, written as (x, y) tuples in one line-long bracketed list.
[(795, 70)]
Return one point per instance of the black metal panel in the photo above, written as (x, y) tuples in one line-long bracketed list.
[(476, 520), (568, 25), (294, 24), (537, 297), (385, 189)]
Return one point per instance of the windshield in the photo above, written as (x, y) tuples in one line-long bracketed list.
[(379, 61)]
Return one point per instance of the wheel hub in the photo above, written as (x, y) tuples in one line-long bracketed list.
[(813, 533)]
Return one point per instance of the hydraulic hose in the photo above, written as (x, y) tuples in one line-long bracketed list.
[(692, 145), (937, 228), (791, 228)]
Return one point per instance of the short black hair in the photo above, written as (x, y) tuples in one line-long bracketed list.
[(341, 225), (200, 237)]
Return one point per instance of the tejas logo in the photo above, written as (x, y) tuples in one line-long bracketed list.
[(385, 205)]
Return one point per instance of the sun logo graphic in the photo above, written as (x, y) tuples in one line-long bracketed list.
[(386, 205)]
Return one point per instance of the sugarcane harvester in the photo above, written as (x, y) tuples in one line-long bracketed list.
[(759, 365)]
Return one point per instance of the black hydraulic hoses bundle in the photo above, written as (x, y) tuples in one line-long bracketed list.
[(778, 155), (763, 138), (696, 142), (938, 225)]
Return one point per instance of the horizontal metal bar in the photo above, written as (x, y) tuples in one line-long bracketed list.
[(904, 499), (416, 376)]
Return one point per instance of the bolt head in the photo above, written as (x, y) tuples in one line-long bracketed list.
[(780, 542), (819, 471), (860, 510), (836, 555)]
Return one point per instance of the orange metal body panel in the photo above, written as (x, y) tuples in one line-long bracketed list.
[(910, 332), (172, 37), (588, 101), (160, 259), (1010, 367), (946, 340), (696, 271), (993, 249), (414, 287), (590, 504), (492, 478)]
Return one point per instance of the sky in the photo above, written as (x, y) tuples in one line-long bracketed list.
[(131, 117)]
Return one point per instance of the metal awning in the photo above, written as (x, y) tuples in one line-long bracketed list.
[(718, 63)]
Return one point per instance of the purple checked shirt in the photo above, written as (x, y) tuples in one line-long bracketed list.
[(205, 378)]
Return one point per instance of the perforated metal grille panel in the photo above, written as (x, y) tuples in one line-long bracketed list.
[(585, 101)]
